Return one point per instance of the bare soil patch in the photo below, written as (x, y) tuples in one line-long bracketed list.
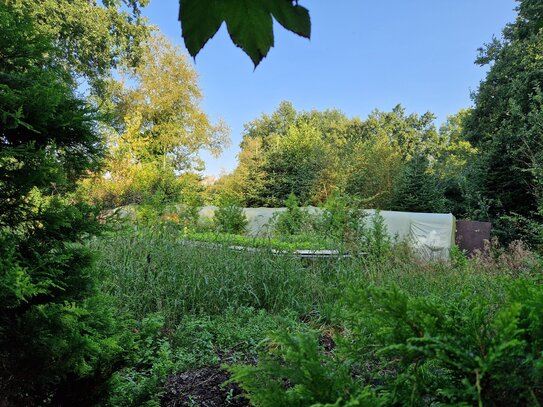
[(203, 388)]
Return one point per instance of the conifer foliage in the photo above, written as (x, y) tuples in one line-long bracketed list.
[(54, 333)]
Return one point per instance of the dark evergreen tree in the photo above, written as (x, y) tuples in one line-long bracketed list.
[(55, 342), (506, 124), (418, 190)]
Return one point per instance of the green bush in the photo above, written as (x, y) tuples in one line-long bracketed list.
[(294, 220), (468, 339), (376, 241), (514, 227), (229, 218), (294, 372), (57, 334), (342, 220), (471, 348), (134, 185)]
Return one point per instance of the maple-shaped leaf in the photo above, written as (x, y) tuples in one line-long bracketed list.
[(249, 23)]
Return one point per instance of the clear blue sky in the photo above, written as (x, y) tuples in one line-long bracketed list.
[(363, 55)]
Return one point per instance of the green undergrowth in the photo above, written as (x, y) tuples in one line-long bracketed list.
[(157, 349), (186, 307), (407, 332), (287, 243), (154, 272), (414, 334)]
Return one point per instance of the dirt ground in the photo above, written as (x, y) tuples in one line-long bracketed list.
[(202, 388)]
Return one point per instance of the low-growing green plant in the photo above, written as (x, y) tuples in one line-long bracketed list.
[(342, 218), (408, 332), (294, 372), (376, 241), (150, 359), (156, 351), (469, 348), (286, 243), (295, 220), (458, 258), (229, 217), (464, 344), (414, 333)]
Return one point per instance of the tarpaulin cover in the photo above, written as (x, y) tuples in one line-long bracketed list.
[(430, 234)]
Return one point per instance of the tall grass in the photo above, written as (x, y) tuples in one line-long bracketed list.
[(467, 332), (149, 272), (155, 272), (194, 303)]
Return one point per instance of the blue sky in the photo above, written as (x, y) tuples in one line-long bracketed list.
[(363, 55)]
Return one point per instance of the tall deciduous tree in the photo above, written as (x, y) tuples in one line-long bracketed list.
[(92, 37), (506, 124), (388, 141), (373, 168), (159, 102), (299, 152), (453, 164), (159, 127), (293, 164)]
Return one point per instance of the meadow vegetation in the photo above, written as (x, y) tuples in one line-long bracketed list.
[(381, 329), (150, 305)]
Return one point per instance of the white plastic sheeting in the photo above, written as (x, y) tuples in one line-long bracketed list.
[(260, 220), (430, 234)]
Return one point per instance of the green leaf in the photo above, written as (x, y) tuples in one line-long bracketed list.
[(200, 20), (250, 26), (249, 23), (294, 18)]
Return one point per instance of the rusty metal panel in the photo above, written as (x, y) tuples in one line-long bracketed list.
[(471, 235)]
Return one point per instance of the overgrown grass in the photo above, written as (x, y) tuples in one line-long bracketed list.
[(156, 272), (190, 305), (153, 272), (416, 334)]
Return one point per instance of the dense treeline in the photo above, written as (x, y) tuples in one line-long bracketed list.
[(506, 126), (391, 160), (484, 163)]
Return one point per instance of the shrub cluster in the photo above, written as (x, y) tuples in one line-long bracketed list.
[(229, 217), (407, 341)]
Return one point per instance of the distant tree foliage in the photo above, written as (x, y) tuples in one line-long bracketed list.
[(315, 154), (417, 189), (158, 128), (388, 141)]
